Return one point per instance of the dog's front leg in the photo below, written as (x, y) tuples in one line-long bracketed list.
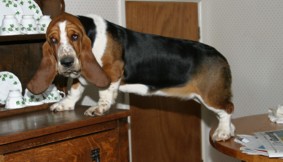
[(107, 98), (68, 103)]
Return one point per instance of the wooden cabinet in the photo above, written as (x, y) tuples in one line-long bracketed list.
[(64, 136), (164, 129), (21, 55), (35, 134)]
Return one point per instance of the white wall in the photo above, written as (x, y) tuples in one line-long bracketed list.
[(250, 34), (112, 10)]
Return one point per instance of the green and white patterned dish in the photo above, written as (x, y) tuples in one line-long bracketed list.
[(8, 81), (10, 7), (30, 7)]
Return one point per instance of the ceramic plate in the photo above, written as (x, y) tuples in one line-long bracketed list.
[(30, 7), (10, 7), (8, 81)]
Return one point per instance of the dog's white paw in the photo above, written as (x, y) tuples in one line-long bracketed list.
[(103, 106), (95, 111), (64, 104), (224, 132)]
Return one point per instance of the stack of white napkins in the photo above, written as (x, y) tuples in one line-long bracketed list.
[(276, 114)]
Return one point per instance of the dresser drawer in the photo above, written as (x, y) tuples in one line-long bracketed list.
[(67, 136), (73, 150)]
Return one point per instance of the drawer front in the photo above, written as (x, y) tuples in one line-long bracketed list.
[(74, 150)]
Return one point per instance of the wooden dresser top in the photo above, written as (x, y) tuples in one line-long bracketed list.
[(39, 123)]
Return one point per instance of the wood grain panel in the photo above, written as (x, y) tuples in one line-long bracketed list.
[(164, 129), (171, 19), (75, 150), (22, 60)]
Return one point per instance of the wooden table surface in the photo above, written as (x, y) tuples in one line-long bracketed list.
[(247, 125)]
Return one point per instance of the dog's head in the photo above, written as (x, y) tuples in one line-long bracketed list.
[(68, 52)]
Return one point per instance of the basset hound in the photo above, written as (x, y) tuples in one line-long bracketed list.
[(96, 51)]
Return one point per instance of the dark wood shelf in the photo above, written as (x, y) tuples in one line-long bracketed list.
[(22, 38), (10, 112)]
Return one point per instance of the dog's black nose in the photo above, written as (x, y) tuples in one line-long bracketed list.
[(67, 61)]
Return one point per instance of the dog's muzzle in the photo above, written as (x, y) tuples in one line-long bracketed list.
[(67, 61), (68, 64)]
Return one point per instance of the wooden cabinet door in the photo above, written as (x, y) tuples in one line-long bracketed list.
[(164, 129)]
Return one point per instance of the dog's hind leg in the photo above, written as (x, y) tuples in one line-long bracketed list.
[(225, 128), (216, 95), (221, 105)]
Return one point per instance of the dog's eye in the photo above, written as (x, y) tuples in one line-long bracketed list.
[(75, 37), (53, 40)]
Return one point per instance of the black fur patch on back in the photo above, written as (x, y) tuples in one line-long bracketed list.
[(158, 61), (89, 27)]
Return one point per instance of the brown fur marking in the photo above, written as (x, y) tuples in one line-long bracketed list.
[(76, 84), (212, 82), (112, 59)]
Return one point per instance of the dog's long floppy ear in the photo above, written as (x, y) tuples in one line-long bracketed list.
[(91, 70), (46, 72)]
